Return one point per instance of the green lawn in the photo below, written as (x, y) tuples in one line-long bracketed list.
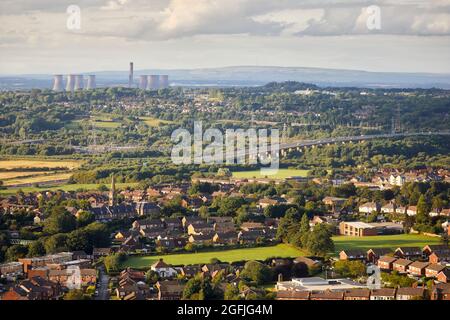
[(66, 187), (261, 253), (392, 241), (282, 174)]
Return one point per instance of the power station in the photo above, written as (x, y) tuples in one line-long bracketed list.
[(76, 82)]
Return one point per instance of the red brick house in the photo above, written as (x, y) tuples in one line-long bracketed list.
[(357, 294), (352, 255), (417, 268), (440, 291), (429, 249), (383, 294), (170, 290), (292, 295), (441, 256), (327, 295), (411, 253), (444, 276), (409, 293), (374, 254), (433, 269), (401, 265), (386, 262)]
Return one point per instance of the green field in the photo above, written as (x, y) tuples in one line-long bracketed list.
[(261, 253), (282, 174), (154, 122), (393, 241), (66, 187)]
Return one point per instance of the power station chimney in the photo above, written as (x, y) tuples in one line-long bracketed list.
[(153, 82), (91, 84), (58, 82), (79, 82), (70, 83), (131, 76), (143, 82), (163, 81)]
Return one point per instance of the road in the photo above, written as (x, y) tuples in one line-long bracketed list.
[(103, 291)]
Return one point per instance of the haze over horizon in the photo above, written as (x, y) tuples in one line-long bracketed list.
[(191, 34)]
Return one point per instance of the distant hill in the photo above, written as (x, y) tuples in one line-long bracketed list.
[(253, 76)]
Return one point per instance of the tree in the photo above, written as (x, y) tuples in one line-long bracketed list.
[(422, 210), (198, 288), (257, 272), (231, 292), (319, 240), (77, 240), (56, 243), (84, 218), (15, 252), (151, 277), (352, 269), (75, 294), (113, 261), (60, 222), (36, 249)]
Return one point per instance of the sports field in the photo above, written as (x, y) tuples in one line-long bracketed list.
[(261, 253), (282, 174), (391, 241)]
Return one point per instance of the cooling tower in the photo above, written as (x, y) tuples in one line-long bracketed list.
[(79, 82), (153, 82), (91, 84), (131, 76), (143, 82), (57, 82), (70, 83), (163, 81)]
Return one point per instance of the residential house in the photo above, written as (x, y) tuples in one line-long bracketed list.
[(429, 249), (230, 237), (353, 255), (411, 211), (440, 257), (374, 254), (11, 270), (440, 291), (249, 226), (444, 276), (383, 294), (199, 228), (171, 243), (163, 269), (202, 239), (35, 288), (417, 268), (101, 252), (369, 207), (411, 253), (357, 294), (170, 290), (327, 295), (410, 293), (386, 262), (433, 269), (292, 295), (145, 208), (401, 265), (173, 224)]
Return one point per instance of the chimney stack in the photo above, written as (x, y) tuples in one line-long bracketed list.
[(58, 82)]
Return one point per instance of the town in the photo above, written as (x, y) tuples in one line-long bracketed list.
[(222, 237)]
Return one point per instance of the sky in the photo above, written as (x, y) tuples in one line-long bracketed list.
[(75, 36)]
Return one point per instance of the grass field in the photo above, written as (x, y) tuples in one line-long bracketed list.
[(66, 187), (282, 174), (261, 253), (393, 241), (107, 124), (17, 174), (154, 122), (20, 164)]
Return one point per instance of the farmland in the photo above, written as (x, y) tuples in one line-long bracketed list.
[(65, 187)]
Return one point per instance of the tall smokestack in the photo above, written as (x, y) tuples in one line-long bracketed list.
[(153, 82), (57, 82), (143, 82), (70, 83), (91, 84), (131, 76), (79, 82), (163, 81)]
